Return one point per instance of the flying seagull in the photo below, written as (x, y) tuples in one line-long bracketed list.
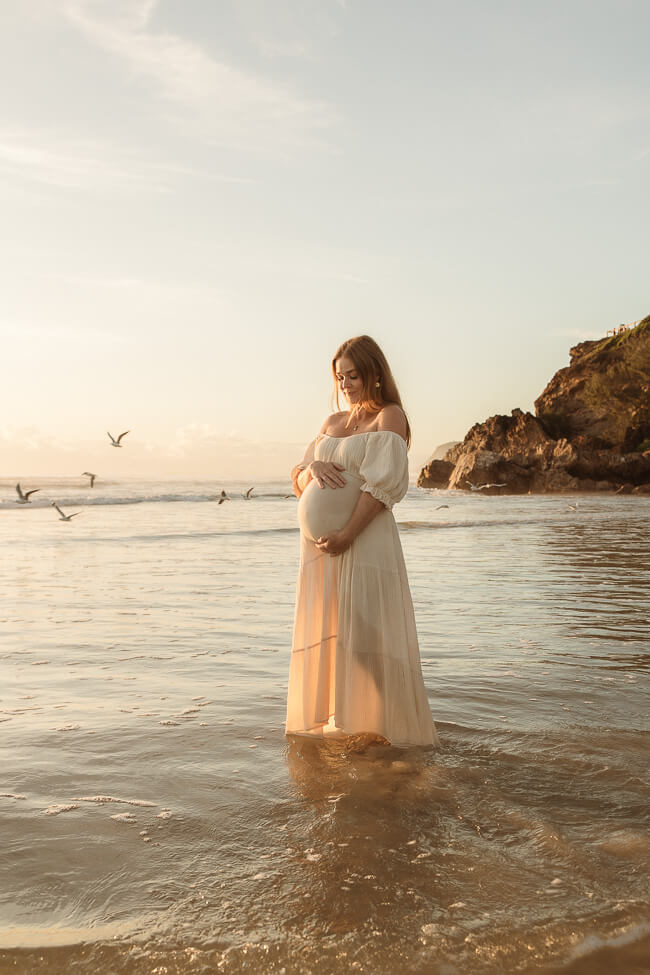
[(224, 497), (92, 476), (482, 487), (116, 443), (442, 506), (62, 516), (249, 493), (24, 498)]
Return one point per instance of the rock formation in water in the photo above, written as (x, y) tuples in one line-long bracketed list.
[(591, 431)]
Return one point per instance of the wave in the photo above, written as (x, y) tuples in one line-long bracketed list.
[(476, 523), (199, 536), (83, 500)]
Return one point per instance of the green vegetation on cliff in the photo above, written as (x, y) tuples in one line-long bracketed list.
[(602, 399), (619, 390)]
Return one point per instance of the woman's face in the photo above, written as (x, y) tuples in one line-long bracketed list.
[(348, 379)]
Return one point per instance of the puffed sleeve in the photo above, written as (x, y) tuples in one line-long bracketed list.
[(384, 469)]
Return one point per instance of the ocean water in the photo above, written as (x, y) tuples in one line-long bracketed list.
[(155, 819)]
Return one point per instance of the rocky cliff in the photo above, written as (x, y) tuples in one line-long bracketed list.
[(591, 431)]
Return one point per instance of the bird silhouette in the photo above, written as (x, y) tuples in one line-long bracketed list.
[(91, 476), (249, 493), (25, 498), (63, 517), (482, 487), (116, 443), (223, 497), (442, 506)]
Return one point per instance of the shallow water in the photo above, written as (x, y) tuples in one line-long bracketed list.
[(156, 819)]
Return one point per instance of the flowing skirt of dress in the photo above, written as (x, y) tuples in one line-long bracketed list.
[(355, 663)]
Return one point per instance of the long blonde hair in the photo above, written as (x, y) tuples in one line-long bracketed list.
[(379, 386)]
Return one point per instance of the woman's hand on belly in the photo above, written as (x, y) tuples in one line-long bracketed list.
[(326, 473), (337, 542), (334, 543)]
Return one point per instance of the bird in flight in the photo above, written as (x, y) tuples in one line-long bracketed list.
[(249, 493), (91, 476), (63, 517), (442, 506), (116, 443), (482, 487), (25, 498), (224, 497)]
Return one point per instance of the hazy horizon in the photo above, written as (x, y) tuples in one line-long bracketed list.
[(231, 461)]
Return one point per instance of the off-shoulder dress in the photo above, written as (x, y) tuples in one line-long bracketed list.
[(355, 661)]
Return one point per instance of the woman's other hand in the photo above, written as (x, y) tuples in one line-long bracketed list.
[(326, 473), (334, 543)]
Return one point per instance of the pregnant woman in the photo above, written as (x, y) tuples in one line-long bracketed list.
[(355, 664)]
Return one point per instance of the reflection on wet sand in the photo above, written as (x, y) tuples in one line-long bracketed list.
[(319, 768), (365, 815)]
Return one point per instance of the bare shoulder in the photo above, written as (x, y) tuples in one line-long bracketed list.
[(334, 422), (392, 418)]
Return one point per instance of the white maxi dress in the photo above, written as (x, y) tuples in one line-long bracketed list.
[(355, 662)]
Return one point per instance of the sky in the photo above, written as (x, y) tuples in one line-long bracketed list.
[(201, 199)]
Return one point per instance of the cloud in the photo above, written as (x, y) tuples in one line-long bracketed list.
[(233, 106), (274, 48), (31, 158), (28, 438), (196, 450), (91, 165), (201, 438)]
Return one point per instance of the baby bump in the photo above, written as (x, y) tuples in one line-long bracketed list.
[(323, 510)]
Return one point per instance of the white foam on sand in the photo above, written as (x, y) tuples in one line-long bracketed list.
[(594, 942), (125, 818), (35, 937)]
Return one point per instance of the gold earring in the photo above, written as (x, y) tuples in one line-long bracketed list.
[(377, 384)]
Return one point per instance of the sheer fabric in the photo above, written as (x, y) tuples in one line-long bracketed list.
[(355, 662)]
